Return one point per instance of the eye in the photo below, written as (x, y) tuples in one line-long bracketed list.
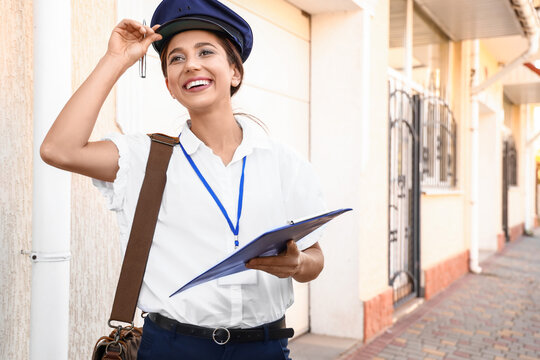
[(205, 52), (176, 58)]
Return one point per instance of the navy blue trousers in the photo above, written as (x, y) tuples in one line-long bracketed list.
[(158, 343)]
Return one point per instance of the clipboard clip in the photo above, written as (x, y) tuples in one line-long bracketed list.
[(142, 60)]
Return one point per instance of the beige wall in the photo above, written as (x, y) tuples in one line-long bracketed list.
[(95, 262), (95, 254), (442, 228), (16, 176), (492, 96)]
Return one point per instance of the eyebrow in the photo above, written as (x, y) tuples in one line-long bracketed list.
[(197, 45)]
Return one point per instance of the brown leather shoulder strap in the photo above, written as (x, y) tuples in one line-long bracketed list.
[(164, 139), (142, 229)]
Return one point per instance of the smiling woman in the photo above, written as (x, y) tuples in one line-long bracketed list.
[(224, 165), (198, 63)]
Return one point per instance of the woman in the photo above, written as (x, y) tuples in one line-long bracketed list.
[(202, 45)]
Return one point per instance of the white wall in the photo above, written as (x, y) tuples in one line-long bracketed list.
[(356, 245)]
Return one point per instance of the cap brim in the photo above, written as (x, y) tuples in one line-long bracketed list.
[(176, 26)]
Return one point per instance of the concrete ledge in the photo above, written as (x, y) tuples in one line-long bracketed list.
[(378, 313), (440, 276)]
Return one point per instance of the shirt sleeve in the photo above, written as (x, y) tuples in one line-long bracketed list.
[(133, 153), (302, 193)]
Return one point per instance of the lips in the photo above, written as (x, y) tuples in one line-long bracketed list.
[(197, 83)]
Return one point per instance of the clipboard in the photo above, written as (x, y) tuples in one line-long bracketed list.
[(268, 244)]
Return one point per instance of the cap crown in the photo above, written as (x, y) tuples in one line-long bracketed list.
[(176, 16)]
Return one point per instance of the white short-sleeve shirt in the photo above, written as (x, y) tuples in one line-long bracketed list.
[(192, 234)]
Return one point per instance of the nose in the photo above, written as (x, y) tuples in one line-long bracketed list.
[(192, 63)]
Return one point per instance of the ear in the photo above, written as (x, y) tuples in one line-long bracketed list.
[(236, 77)]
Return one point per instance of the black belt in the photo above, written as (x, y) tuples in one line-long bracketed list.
[(271, 331)]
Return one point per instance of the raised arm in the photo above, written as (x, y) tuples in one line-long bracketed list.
[(66, 145)]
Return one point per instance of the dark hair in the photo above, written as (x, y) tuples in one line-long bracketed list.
[(233, 57)]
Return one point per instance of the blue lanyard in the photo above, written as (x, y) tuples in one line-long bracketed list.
[(234, 229)]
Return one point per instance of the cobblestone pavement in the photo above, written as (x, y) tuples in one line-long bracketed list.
[(492, 315)]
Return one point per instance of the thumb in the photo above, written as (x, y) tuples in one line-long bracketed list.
[(292, 248)]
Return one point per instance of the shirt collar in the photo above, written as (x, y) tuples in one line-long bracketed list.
[(253, 136), (189, 141)]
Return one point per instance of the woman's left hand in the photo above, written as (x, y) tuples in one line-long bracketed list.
[(301, 265), (285, 264)]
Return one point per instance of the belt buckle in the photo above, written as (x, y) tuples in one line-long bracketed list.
[(215, 332)]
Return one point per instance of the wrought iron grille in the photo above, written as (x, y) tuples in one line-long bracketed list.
[(511, 158), (422, 151), (438, 141)]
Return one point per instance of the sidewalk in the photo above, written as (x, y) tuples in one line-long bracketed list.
[(492, 315)]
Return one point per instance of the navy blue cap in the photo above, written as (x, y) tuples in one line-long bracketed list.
[(176, 16)]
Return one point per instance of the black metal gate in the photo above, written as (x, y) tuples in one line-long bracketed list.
[(404, 195), (509, 174), (505, 187)]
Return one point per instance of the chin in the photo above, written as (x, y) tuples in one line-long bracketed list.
[(204, 105)]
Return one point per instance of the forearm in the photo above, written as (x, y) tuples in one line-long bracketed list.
[(311, 264), (73, 126)]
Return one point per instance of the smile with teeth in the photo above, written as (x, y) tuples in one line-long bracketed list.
[(195, 83)]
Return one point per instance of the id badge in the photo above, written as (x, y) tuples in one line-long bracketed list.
[(248, 277)]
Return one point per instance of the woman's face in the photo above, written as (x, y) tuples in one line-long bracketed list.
[(199, 75)]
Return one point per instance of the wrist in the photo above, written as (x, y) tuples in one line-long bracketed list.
[(114, 62)]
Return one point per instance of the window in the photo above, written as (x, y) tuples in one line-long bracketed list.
[(438, 141), (510, 156), (430, 47), (424, 76)]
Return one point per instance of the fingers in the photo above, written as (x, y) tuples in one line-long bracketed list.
[(139, 30), (277, 271), (284, 265)]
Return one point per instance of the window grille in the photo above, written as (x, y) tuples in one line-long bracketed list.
[(511, 158), (438, 133), (438, 163)]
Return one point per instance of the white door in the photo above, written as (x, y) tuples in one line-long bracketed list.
[(275, 89)]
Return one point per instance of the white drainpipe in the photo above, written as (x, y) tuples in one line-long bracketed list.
[(475, 115), (51, 216)]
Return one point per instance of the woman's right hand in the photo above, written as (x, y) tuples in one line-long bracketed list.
[(130, 40)]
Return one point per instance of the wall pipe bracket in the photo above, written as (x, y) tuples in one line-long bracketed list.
[(36, 256)]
